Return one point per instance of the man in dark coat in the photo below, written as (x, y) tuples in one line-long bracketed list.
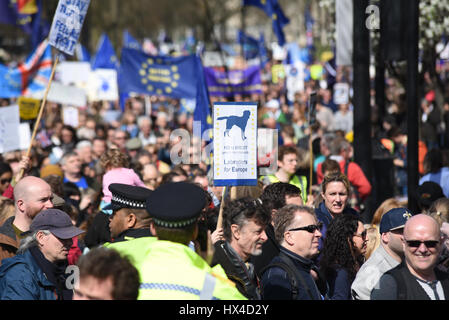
[(274, 197), (288, 277)]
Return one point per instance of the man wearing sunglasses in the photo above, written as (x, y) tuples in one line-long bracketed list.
[(288, 277), (388, 254), (417, 277)]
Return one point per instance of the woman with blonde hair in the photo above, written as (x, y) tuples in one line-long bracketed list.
[(6, 209), (439, 210)]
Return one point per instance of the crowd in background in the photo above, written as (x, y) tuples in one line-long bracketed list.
[(134, 148)]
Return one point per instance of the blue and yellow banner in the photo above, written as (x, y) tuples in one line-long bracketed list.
[(227, 84), (158, 75)]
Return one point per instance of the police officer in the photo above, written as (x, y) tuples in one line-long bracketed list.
[(171, 270), (129, 217), (130, 221)]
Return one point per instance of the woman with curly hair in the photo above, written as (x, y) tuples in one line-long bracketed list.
[(343, 254)]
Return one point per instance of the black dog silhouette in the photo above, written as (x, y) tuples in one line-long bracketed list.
[(236, 121)]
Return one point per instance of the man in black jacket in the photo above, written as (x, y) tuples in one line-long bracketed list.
[(416, 278), (288, 277), (244, 223), (274, 197)]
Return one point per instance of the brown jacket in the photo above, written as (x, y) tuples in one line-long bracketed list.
[(9, 242)]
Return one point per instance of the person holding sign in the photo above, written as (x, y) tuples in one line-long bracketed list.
[(244, 223)]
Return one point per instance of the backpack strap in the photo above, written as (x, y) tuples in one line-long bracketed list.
[(290, 274), (288, 262), (293, 274), (401, 283)]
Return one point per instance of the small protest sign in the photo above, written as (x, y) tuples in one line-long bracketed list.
[(67, 23), (341, 93), (28, 108)]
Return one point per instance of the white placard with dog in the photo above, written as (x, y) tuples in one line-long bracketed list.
[(235, 143)]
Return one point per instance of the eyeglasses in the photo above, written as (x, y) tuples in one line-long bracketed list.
[(417, 243), (3, 181), (361, 235), (310, 228)]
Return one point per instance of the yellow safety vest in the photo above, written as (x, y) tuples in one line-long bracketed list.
[(300, 182), (172, 271), (134, 249)]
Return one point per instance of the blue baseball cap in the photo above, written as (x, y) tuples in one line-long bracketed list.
[(394, 219)]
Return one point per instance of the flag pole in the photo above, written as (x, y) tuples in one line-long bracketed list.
[(311, 121), (36, 125), (220, 214)]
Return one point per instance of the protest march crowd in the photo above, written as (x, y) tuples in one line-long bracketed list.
[(99, 209)]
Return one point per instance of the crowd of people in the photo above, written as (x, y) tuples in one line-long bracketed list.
[(106, 198)]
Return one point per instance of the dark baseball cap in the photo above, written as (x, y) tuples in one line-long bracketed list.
[(57, 222), (394, 219)]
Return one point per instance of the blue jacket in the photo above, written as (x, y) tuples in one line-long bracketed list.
[(276, 284), (340, 284), (22, 279)]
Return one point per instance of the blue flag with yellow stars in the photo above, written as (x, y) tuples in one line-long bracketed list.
[(273, 11), (105, 57), (202, 111), (158, 75)]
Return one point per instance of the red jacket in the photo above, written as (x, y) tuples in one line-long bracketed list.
[(74, 252), (355, 176)]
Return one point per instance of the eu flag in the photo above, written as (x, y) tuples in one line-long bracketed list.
[(158, 75), (105, 57), (274, 11), (130, 42), (250, 45), (202, 109)]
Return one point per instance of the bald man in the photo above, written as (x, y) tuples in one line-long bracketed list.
[(31, 196), (416, 278)]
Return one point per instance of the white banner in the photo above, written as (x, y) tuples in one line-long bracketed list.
[(9, 128), (102, 85), (73, 73), (344, 27)]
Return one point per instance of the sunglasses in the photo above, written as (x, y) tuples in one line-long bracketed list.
[(361, 235), (310, 228), (417, 243), (3, 181)]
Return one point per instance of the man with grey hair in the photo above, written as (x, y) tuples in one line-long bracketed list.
[(146, 135), (417, 277), (288, 276), (39, 270), (84, 151), (71, 165), (244, 223), (31, 196)]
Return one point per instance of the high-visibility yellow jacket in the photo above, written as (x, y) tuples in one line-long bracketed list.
[(172, 271), (135, 249), (300, 182)]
